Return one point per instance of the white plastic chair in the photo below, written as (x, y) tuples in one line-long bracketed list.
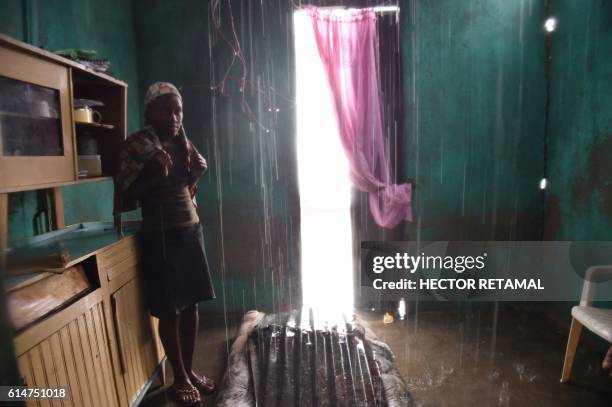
[(596, 320)]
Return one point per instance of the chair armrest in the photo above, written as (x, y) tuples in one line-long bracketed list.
[(593, 275)]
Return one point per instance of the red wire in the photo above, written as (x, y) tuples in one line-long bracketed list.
[(234, 45)]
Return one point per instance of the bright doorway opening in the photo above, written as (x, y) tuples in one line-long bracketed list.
[(325, 189)]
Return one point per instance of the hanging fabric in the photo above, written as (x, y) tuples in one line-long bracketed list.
[(347, 43)]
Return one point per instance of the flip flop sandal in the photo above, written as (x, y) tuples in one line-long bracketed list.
[(183, 396), (205, 385)]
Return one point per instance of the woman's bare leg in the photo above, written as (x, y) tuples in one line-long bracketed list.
[(188, 330), (189, 333), (169, 329)]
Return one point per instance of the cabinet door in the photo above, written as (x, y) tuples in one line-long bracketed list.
[(36, 143), (136, 340), (77, 357)]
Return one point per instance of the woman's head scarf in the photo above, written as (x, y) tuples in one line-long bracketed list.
[(159, 89)]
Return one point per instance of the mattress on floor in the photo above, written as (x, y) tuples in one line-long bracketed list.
[(273, 362)]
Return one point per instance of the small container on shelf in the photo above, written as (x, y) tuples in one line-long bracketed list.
[(87, 144), (90, 163)]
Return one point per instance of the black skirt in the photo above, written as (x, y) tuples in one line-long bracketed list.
[(174, 270)]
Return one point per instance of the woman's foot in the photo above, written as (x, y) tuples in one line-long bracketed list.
[(607, 362), (187, 394), (205, 385)]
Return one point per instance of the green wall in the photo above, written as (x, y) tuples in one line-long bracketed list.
[(580, 204), (475, 93), (106, 27)]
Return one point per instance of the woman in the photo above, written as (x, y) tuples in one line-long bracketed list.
[(159, 168)]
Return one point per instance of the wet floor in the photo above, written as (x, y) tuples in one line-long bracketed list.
[(210, 358), (454, 357)]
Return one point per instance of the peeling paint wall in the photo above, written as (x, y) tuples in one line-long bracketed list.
[(580, 204), (475, 94)]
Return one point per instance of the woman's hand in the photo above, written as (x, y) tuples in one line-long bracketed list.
[(162, 158), (198, 164)]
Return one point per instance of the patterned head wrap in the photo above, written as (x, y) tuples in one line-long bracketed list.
[(158, 89)]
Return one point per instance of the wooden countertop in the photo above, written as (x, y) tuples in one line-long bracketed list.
[(60, 249)]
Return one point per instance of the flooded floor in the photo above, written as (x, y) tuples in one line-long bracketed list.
[(210, 358), (452, 356)]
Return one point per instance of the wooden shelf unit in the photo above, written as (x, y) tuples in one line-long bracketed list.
[(53, 185), (23, 116), (94, 125), (103, 346), (69, 80)]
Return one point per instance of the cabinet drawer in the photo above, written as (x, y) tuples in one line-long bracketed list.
[(118, 259)]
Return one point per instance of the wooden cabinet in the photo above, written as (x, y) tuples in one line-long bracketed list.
[(118, 262), (76, 356), (36, 135), (137, 347), (39, 138), (102, 345)]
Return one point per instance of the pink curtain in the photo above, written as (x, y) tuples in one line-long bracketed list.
[(347, 43)]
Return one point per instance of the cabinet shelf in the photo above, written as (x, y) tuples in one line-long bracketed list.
[(26, 116), (85, 125), (54, 184)]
